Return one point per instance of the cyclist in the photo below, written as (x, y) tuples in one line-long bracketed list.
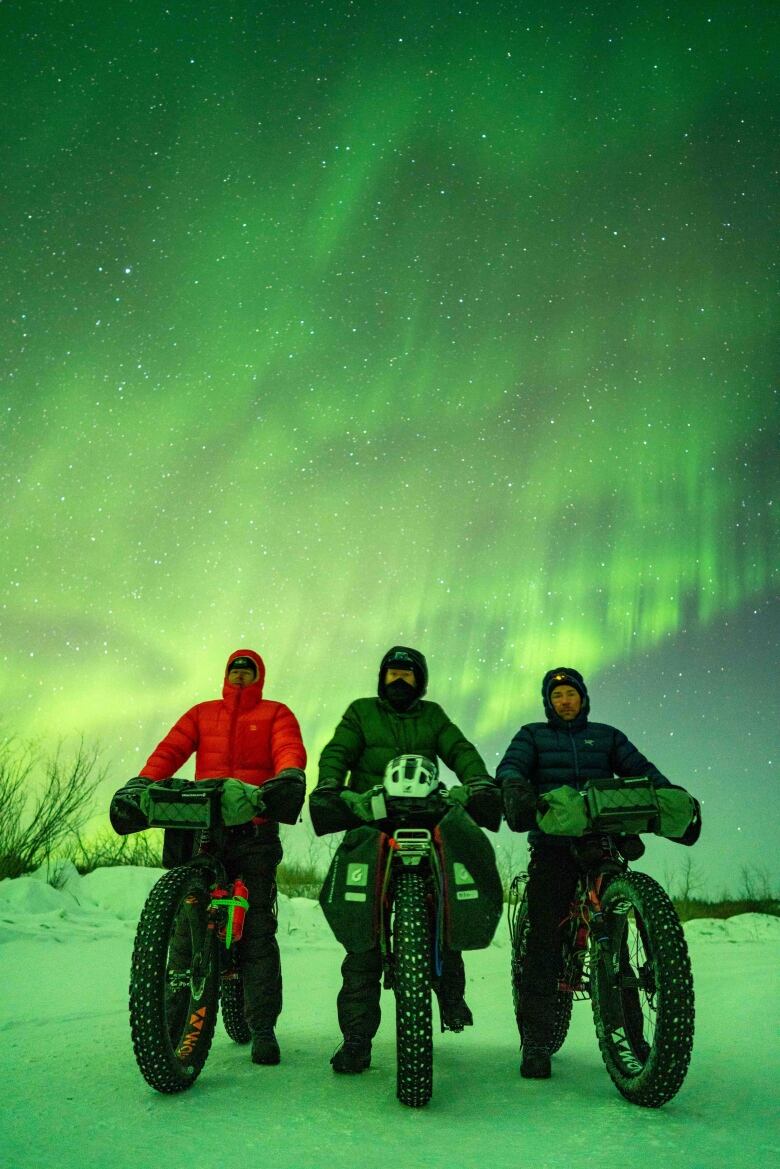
[(245, 736), (371, 733), (566, 750)]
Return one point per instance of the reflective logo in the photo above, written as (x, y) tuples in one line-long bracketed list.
[(357, 875)]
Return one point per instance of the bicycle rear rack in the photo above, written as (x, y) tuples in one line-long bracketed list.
[(412, 843)]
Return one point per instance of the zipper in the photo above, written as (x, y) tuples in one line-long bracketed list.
[(576, 757), (232, 734)]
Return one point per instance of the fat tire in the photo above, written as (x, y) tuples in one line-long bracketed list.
[(172, 1031), (645, 1041), (564, 999), (232, 1006), (412, 985)]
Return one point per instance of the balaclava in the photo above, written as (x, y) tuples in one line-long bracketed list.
[(400, 694)]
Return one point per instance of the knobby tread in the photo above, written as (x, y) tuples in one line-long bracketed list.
[(232, 1007), (638, 908), (414, 1015), (171, 1040), (564, 1000)]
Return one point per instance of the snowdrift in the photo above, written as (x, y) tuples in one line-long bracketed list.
[(71, 1095)]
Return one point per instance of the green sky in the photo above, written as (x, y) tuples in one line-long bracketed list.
[(328, 327)]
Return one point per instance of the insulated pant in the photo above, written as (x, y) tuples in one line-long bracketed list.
[(358, 1000), (252, 852), (255, 856), (552, 880)]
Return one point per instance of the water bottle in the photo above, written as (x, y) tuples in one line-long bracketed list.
[(237, 913), (236, 901)]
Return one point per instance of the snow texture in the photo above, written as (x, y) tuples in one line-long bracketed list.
[(71, 1094)]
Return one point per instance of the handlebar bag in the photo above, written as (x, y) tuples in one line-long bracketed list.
[(621, 805), (473, 896), (352, 892)]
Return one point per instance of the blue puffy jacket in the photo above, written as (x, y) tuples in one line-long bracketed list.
[(551, 754)]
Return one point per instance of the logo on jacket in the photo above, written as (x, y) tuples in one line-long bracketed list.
[(590, 742)]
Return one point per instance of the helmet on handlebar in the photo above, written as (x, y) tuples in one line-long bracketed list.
[(410, 775)]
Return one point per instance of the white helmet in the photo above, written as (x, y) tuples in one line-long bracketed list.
[(410, 776)]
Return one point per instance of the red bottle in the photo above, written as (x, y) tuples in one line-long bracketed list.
[(236, 902), (237, 911)]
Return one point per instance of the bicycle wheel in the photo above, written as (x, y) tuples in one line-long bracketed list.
[(231, 1000), (518, 929), (174, 981), (412, 985), (642, 991)]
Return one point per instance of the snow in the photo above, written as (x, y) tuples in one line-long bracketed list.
[(71, 1094)]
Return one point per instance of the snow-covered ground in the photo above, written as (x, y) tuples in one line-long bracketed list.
[(71, 1094)]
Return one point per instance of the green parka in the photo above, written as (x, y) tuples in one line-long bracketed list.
[(370, 734)]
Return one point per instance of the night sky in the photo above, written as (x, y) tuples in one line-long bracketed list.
[(333, 325)]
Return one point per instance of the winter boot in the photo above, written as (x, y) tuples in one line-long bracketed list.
[(537, 1015), (265, 1049), (455, 1014), (536, 1063), (353, 1057)]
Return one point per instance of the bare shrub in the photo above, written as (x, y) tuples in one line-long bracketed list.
[(34, 826), (304, 874), (511, 859), (299, 879), (755, 884), (108, 850)]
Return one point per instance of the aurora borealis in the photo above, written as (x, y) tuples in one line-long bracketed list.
[(334, 325)]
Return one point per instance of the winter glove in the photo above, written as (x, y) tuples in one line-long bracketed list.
[(125, 811), (368, 806), (629, 846), (519, 804), (283, 795), (481, 797)]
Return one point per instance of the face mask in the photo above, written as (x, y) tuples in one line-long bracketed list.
[(400, 694)]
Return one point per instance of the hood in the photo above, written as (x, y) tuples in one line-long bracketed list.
[(249, 695), (572, 678), (418, 663)]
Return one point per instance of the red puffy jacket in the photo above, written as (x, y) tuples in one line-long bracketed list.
[(239, 736)]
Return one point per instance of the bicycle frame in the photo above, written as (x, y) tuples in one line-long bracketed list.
[(589, 939), (587, 930)]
